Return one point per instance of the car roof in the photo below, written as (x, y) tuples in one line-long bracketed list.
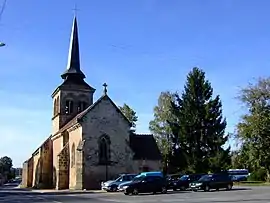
[(127, 174)]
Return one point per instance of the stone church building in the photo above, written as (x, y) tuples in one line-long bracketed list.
[(91, 141)]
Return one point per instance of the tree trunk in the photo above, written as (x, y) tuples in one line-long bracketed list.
[(268, 175)]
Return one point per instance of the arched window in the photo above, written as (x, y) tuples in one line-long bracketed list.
[(81, 106), (73, 155), (69, 107), (104, 150)]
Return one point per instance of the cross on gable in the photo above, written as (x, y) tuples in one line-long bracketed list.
[(105, 88)]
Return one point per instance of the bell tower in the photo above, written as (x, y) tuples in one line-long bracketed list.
[(74, 95)]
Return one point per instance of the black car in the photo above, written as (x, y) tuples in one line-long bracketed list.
[(147, 184), (212, 181), (171, 179), (185, 180)]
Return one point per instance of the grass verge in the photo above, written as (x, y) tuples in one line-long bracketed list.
[(253, 183)]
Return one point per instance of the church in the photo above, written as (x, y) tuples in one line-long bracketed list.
[(91, 141)]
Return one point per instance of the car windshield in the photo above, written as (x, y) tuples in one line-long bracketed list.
[(172, 177), (206, 178), (184, 177), (119, 179)]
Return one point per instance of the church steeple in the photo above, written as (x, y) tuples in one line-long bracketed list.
[(73, 65), (74, 95)]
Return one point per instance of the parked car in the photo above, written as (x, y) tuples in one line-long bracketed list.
[(152, 173), (111, 185), (172, 179), (185, 180), (239, 174), (147, 184), (213, 181), (123, 186)]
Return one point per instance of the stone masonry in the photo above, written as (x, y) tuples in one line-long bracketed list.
[(91, 141)]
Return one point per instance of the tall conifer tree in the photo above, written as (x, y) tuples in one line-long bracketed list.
[(200, 128)]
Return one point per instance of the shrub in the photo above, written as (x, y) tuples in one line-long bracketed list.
[(258, 175)]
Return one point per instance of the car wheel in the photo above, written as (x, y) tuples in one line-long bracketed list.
[(135, 191), (229, 186), (114, 189), (182, 188), (163, 190), (207, 188)]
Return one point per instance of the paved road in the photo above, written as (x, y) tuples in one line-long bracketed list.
[(238, 195)]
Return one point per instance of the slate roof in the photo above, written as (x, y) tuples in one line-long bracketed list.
[(73, 66), (144, 146), (73, 80)]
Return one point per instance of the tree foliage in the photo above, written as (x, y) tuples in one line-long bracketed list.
[(5, 165), (253, 130), (130, 114), (199, 130), (160, 127)]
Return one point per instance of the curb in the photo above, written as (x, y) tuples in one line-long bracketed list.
[(68, 191)]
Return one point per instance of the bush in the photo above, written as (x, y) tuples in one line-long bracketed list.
[(258, 175)]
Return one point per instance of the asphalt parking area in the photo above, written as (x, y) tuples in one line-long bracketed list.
[(238, 194)]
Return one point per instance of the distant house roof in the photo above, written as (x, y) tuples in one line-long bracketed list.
[(144, 146)]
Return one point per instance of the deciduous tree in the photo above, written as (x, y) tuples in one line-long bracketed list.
[(160, 127), (253, 130)]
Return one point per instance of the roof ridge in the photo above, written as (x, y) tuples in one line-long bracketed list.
[(143, 134)]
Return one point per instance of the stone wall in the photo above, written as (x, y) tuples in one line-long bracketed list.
[(25, 174), (37, 168), (105, 119), (62, 172), (57, 142), (47, 165), (74, 93), (30, 172), (80, 166), (75, 137)]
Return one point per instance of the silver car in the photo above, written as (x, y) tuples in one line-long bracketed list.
[(112, 185)]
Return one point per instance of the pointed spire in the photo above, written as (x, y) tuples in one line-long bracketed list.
[(73, 66)]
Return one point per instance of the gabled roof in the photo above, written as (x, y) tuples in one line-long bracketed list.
[(81, 115), (144, 146)]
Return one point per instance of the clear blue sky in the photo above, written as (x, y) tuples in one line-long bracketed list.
[(139, 48)]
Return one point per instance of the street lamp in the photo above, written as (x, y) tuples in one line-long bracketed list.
[(2, 44)]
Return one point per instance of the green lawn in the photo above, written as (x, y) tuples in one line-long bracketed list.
[(253, 183)]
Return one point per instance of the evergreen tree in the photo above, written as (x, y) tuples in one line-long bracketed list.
[(200, 127), (130, 114)]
